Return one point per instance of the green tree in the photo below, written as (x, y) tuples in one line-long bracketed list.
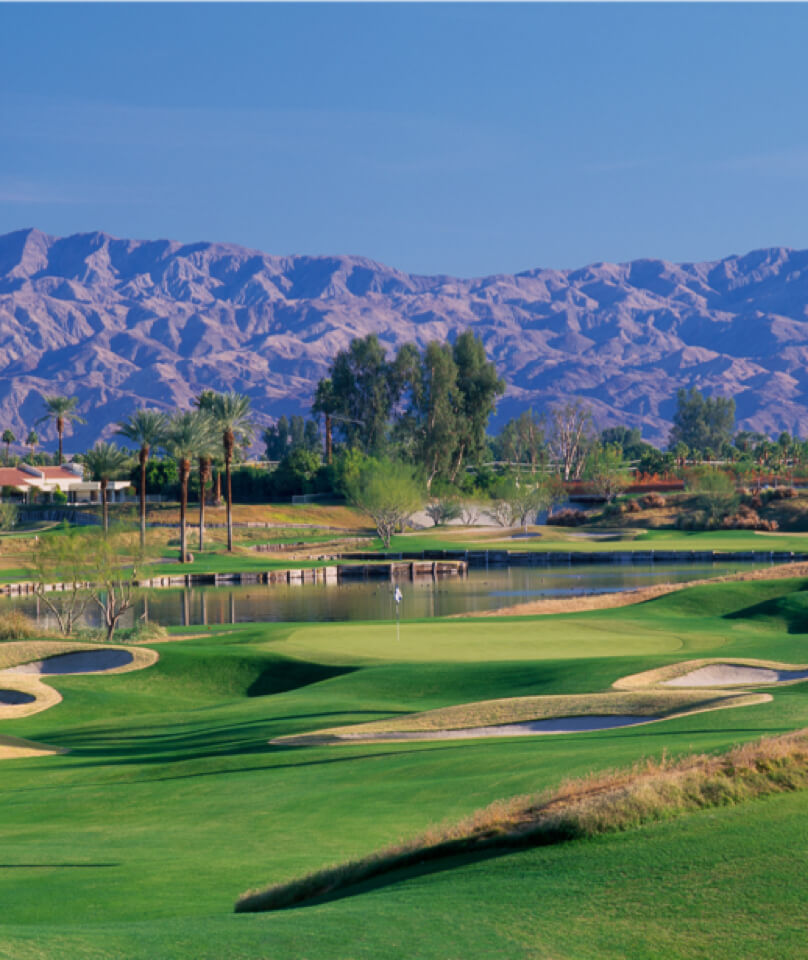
[(389, 492), (702, 422), (188, 432), (61, 411), (606, 471), (716, 492), (104, 461), (233, 420), (31, 441), (363, 391), (147, 429), (429, 428), (8, 439), (478, 389)]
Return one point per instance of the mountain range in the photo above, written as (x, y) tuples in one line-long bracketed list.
[(123, 323)]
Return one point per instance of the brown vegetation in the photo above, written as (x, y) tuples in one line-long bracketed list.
[(600, 803)]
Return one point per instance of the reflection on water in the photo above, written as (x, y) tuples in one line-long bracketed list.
[(373, 600)]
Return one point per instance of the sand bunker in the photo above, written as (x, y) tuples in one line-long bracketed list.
[(81, 661), (26, 664), (528, 728), (734, 674), (16, 696)]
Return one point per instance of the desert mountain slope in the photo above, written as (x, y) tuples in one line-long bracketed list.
[(126, 322)]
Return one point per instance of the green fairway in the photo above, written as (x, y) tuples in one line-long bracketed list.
[(172, 802), (576, 540)]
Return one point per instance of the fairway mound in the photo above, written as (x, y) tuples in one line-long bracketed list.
[(735, 675), (527, 716), (715, 674), (23, 663), (600, 803)]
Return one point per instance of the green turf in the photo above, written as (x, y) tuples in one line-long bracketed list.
[(560, 540), (172, 802)]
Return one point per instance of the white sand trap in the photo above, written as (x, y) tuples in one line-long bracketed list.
[(527, 728), (82, 661), (16, 696), (732, 675)]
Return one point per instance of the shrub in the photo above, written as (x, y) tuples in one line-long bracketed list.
[(470, 514), (653, 501), (632, 506), (782, 493), (568, 518), (443, 510), (500, 512), (14, 625)]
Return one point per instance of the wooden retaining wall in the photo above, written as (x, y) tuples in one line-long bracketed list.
[(553, 558)]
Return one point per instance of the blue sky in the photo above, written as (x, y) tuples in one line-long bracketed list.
[(461, 139)]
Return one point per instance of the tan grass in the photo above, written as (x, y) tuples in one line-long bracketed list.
[(14, 625), (13, 748), (605, 802), (654, 704)]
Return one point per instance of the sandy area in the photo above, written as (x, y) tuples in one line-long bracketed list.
[(82, 661), (12, 748), (23, 664), (608, 601), (527, 728), (734, 674)]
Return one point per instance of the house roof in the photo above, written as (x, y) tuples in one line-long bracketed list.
[(14, 477)]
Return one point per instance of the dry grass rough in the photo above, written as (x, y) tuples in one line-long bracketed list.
[(600, 803)]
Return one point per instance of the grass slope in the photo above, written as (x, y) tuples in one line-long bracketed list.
[(171, 801)]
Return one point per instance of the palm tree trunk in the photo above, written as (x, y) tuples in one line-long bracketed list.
[(204, 476), (328, 446), (104, 508), (60, 426), (229, 498), (217, 497), (228, 442), (144, 456), (185, 469)]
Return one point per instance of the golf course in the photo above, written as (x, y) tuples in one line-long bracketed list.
[(141, 803)]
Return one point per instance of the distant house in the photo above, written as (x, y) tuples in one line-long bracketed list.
[(69, 479)]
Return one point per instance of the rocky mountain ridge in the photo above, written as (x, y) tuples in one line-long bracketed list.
[(121, 323)]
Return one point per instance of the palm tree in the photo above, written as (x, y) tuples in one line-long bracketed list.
[(148, 429), (189, 432), (8, 439), (205, 402), (103, 461), (62, 410), (325, 403), (32, 440), (231, 415)]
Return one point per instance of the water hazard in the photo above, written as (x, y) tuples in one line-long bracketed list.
[(374, 600)]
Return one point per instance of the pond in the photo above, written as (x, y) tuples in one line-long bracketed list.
[(374, 600)]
